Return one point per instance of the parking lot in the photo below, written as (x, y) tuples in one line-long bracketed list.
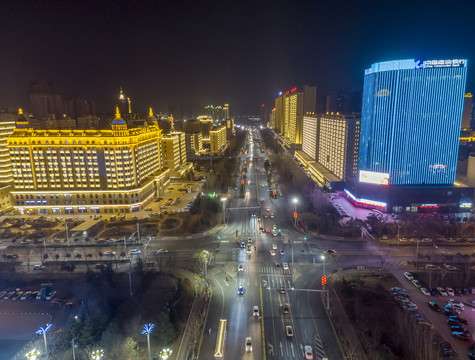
[(438, 319)]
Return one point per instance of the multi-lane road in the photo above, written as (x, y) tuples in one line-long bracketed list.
[(270, 287)]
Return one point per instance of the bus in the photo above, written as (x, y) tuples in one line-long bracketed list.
[(219, 351)]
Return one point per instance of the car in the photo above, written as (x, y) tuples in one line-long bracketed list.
[(134, 252), (451, 268), (240, 267), (248, 344), (272, 252), (441, 291), (109, 253), (163, 207), (268, 209), (289, 331), (9, 295), (457, 328), (453, 309), (274, 246), (162, 251), (2, 294), (240, 290), (255, 311), (432, 267), (433, 292), (456, 306), (425, 291), (243, 244), (461, 335), (308, 352), (329, 252), (272, 215), (277, 266), (452, 322), (263, 201), (100, 266), (416, 283), (282, 290), (433, 305), (282, 252), (285, 308), (38, 267), (285, 266), (448, 312), (459, 319), (408, 276), (450, 291), (265, 215), (249, 240)]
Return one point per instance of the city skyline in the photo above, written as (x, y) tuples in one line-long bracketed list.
[(206, 53)]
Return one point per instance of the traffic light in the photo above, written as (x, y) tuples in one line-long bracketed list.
[(280, 230), (324, 280)]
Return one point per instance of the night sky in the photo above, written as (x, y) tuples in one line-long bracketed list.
[(241, 52)]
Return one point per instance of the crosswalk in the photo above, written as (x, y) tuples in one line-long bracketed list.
[(260, 269)]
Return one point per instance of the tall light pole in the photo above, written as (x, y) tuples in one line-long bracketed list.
[(295, 201), (147, 330), (224, 209), (97, 354), (323, 258), (32, 355), (43, 331), (165, 354)]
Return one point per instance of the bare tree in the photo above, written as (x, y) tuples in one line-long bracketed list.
[(27, 253)]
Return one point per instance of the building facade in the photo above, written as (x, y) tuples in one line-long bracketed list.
[(194, 144), (338, 144), (411, 120), (310, 136), (467, 112), (86, 171), (217, 139)]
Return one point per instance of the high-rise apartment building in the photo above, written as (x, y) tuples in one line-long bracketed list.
[(467, 112), (411, 120), (46, 99), (338, 143), (290, 109), (124, 104), (86, 171), (217, 139), (194, 144), (7, 126), (310, 136)]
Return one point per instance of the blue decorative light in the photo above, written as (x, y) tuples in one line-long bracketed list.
[(147, 329), (44, 330)]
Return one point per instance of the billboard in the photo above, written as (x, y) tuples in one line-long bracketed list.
[(374, 177)]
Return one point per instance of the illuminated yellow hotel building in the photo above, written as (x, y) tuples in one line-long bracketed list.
[(86, 171)]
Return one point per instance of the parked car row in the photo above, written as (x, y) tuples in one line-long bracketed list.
[(442, 291), (402, 298), (457, 324), (18, 294)]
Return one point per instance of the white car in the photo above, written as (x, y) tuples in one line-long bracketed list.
[(274, 246), (450, 291), (248, 344), (285, 266), (456, 304), (272, 252), (416, 283), (425, 291), (308, 352), (109, 253), (408, 276), (240, 267), (255, 311), (135, 252), (442, 291)]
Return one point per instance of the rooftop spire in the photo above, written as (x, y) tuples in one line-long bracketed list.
[(117, 113), (172, 129), (150, 112), (20, 111)]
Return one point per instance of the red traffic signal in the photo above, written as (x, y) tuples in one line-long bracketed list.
[(324, 280)]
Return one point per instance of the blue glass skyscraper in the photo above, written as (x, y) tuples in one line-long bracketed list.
[(410, 122)]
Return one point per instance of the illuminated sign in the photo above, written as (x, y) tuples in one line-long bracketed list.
[(366, 201), (466, 205), (383, 92), (293, 90), (444, 63), (429, 206), (374, 177), (438, 167)]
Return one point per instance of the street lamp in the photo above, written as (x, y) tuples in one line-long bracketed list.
[(295, 201), (323, 258), (32, 355), (97, 354), (165, 354), (224, 209), (147, 329), (43, 331)]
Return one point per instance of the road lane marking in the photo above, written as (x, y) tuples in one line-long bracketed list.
[(262, 329)]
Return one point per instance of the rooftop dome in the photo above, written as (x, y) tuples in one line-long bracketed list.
[(118, 120)]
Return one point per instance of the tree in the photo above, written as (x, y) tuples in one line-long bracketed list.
[(27, 254)]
